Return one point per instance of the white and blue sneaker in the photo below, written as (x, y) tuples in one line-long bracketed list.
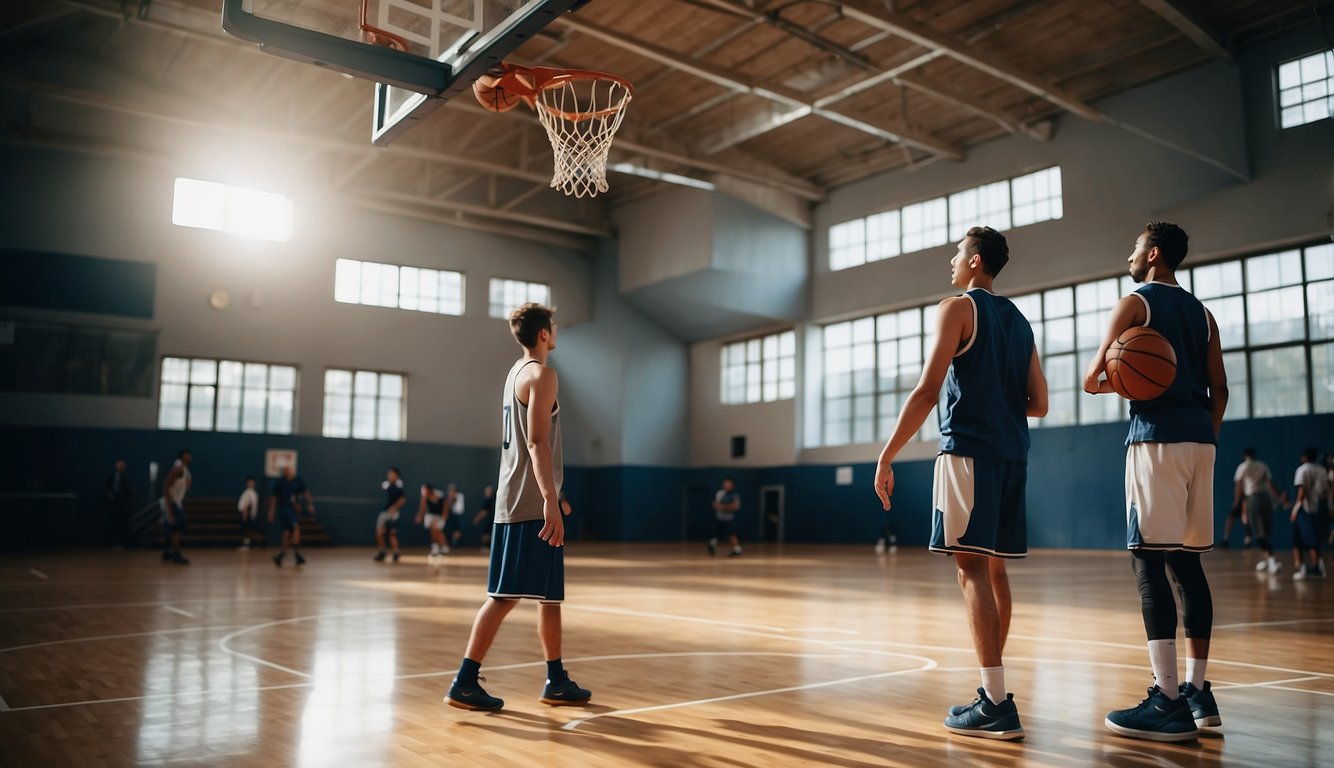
[(986, 719), (1157, 718), (1202, 705)]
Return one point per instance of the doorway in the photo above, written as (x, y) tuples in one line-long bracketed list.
[(771, 513)]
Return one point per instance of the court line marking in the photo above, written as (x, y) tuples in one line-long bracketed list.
[(156, 604), (702, 620), (653, 655), (4, 706), (1265, 684), (573, 724), (113, 637), (1138, 647), (39, 574), (182, 612), (1246, 624)]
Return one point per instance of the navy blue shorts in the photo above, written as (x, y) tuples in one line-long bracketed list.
[(1309, 530), (522, 565), (287, 518), (979, 506), (178, 526)]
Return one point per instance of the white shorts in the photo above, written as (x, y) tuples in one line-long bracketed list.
[(434, 522), (1170, 496), (386, 520)]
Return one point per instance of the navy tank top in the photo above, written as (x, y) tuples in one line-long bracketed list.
[(1181, 414)]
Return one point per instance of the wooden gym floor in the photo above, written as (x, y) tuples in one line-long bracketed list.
[(802, 655)]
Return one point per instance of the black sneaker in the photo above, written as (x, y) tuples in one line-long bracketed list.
[(472, 698), (1157, 718), (713, 548), (734, 553), (180, 559), (1202, 705), (278, 559), (565, 694), (299, 559), (987, 719), (396, 557), (379, 556)]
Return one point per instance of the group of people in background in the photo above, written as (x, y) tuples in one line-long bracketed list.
[(1255, 498)]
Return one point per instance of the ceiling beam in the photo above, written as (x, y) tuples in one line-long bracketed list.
[(873, 14), (790, 98), (486, 212), (1200, 32)]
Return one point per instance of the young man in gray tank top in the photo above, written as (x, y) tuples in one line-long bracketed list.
[(527, 558)]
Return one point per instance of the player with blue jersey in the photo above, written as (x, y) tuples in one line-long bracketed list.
[(1169, 485), (985, 358)]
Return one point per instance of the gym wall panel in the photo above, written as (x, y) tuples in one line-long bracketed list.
[(63, 281)]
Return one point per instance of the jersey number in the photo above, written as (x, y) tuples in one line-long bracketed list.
[(507, 426)]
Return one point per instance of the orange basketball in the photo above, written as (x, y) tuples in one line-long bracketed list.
[(1141, 364), (494, 98)]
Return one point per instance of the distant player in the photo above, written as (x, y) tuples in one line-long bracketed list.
[(386, 525), (248, 507), (527, 559), (454, 520), (726, 502), (985, 358), (174, 488), (1169, 485), (1310, 517), (431, 513), (486, 515), (286, 505), (1253, 499)]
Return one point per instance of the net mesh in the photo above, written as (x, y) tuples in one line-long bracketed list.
[(581, 117)]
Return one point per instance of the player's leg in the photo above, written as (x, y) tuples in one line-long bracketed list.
[(393, 542), (719, 530), (1197, 609), (560, 690), (1000, 589), (466, 692), (296, 543)]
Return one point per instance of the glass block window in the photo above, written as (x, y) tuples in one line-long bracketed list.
[(1036, 197), (227, 396), (366, 405), (508, 295), (1306, 89), (760, 370)]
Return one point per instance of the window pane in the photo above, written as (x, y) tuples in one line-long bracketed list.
[(229, 409), (171, 406), (1320, 315), (409, 286), (1238, 386), (366, 383), (1059, 302), (1276, 316), (1218, 280), (882, 236), (1320, 262), (925, 225), (391, 385), (389, 420), (1322, 377), (347, 281), (256, 376), (363, 417), (253, 416), (1230, 314), (337, 415), (201, 407), (230, 373), (837, 429), (176, 370), (203, 371), (1059, 335), (339, 382), (1273, 270), (282, 377), (281, 405), (1279, 377)]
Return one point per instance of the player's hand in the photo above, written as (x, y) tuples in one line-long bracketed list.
[(417, 520), (884, 483), (553, 531), (1092, 384)]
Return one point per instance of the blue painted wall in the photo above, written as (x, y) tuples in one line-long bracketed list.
[(1075, 494)]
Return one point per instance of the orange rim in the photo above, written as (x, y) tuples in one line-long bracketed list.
[(546, 78)]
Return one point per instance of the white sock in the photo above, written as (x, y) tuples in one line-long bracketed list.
[(993, 683), (1163, 658), (1195, 671)]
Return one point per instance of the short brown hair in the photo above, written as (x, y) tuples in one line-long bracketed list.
[(528, 320), (991, 246)]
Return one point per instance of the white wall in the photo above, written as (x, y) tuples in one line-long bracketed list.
[(121, 209)]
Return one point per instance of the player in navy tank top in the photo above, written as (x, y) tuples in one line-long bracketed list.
[(1169, 485), (985, 359)]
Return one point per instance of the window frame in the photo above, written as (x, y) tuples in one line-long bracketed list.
[(352, 397), (362, 269), (217, 387), (750, 361), (506, 306)]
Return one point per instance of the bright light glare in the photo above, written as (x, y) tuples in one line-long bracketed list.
[(236, 210)]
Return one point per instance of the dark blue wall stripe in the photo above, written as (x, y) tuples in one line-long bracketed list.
[(77, 283)]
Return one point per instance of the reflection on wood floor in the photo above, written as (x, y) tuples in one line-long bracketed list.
[(801, 655)]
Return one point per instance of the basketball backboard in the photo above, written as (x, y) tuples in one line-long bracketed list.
[(419, 53)]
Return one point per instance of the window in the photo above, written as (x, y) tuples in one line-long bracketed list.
[(227, 396), (236, 210), (366, 405), (387, 285), (1306, 89), (506, 295), (1037, 197), (847, 244), (763, 369), (1001, 205), (985, 206)]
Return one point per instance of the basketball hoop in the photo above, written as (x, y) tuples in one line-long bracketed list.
[(376, 36), (580, 110)]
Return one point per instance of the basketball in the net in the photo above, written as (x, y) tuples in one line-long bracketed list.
[(493, 97), (1141, 364)]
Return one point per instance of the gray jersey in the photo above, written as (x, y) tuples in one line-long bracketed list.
[(518, 498)]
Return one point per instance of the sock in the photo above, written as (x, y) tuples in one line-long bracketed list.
[(1163, 658), (468, 670), (993, 683), (1195, 671), (556, 671)]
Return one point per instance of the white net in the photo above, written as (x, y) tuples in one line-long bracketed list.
[(581, 117)]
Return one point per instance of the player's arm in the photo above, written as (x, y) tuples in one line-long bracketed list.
[(172, 476), (952, 328), (421, 507), (1128, 313), (398, 503), (273, 503), (1300, 502), (310, 500), (542, 387), (1215, 374), (1037, 387)]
